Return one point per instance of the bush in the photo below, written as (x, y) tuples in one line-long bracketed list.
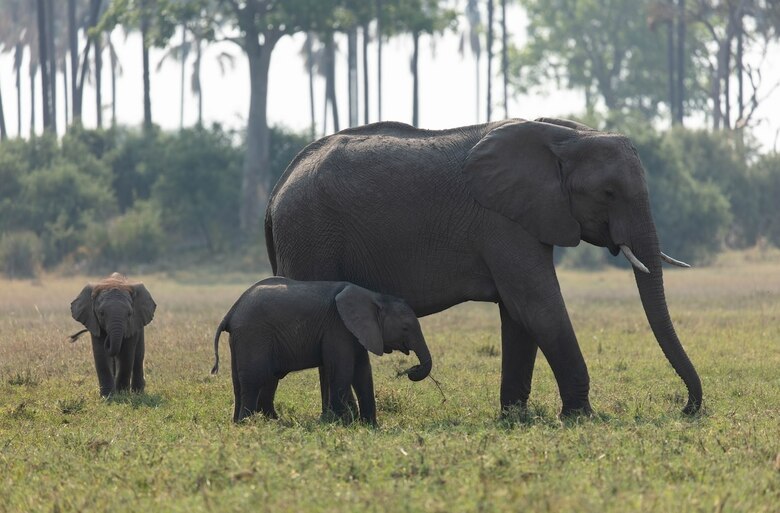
[(136, 237), (20, 254)]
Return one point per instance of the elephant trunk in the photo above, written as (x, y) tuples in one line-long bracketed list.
[(116, 333), (644, 243), (420, 348)]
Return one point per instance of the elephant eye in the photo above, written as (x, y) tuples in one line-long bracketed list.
[(129, 314)]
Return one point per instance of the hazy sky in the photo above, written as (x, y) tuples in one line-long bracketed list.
[(447, 88)]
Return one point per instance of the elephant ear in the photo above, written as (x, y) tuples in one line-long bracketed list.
[(82, 310), (143, 306), (360, 313), (574, 125), (516, 170)]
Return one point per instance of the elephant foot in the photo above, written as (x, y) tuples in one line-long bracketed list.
[(579, 409)]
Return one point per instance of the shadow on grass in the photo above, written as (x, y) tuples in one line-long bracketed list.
[(136, 400)]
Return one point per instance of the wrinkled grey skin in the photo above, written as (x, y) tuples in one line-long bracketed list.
[(279, 326), (473, 213), (115, 318)]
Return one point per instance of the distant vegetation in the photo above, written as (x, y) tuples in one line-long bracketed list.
[(100, 198)]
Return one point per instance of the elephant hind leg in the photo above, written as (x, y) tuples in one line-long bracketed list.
[(236, 383), (266, 401)]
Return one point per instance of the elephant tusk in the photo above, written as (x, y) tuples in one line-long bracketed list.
[(669, 260), (634, 260)]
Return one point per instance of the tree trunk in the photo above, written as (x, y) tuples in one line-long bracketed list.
[(52, 62), (256, 184), (352, 75), (43, 58), (489, 43), (33, 73), (114, 63), (196, 78), (416, 80), (504, 59), (78, 79), (99, 79), (672, 69), (74, 59), (715, 92), (183, 59), (65, 79), (310, 69), (379, 60), (478, 61), (330, 79), (680, 92), (739, 67), (18, 68), (365, 73), (3, 133), (145, 60)]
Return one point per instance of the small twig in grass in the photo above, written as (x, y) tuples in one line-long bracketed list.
[(435, 382)]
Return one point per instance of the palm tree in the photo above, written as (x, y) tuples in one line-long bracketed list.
[(504, 60), (3, 133), (474, 28), (489, 44), (116, 69)]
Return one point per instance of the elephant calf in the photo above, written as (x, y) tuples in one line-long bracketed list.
[(115, 311), (279, 326)]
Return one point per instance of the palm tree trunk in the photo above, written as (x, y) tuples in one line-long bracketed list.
[(43, 57), (504, 59), (330, 79), (672, 70), (196, 78), (365, 73), (3, 133), (52, 62), (114, 63), (415, 80), (65, 90), (145, 60), (183, 59), (379, 59), (352, 76), (74, 59), (310, 69), (18, 68), (489, 85), (99, 79), (33, 73), (680, 92)]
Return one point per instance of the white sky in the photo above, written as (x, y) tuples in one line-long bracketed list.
[(448, 95)]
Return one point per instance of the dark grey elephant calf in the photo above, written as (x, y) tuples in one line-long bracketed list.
[(279, 326), (115, 311)]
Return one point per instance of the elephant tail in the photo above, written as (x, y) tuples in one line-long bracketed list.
[(223, 326), (269, 240)]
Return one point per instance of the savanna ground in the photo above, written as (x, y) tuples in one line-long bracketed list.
[(174, 448)]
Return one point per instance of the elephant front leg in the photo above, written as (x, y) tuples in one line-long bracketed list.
[(518, 356), (363, 383), (325, 394), (138, 382), (125, 361), (339, 363), (103, 366)]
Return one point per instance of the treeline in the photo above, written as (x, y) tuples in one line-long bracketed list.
[(96, 199)]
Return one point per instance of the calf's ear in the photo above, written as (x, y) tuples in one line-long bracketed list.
[(83, 311), (360, 312)]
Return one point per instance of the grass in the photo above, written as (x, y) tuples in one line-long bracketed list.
[(174, 448)]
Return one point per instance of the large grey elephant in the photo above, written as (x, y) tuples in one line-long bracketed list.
[(115, 311), (473, 213), (280, 326)]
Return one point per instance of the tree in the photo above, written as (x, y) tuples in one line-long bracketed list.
[(472, 34), (79, 70), (43, 48), (504, 60), (489, 44), (603, 47), (416, 17), (261, 23), (3, 132)]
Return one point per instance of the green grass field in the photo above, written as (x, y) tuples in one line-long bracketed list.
[(174, 448)]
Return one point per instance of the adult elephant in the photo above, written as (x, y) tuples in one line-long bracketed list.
[(473, 213)]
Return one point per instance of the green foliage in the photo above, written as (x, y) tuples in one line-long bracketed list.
[(767, 175), (285, 145), (136, 236), (20, 254), (200, 187), (692, 216)]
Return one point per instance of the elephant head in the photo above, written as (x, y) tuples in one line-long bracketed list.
[(383, 324), (115, 309), (564, 182)]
